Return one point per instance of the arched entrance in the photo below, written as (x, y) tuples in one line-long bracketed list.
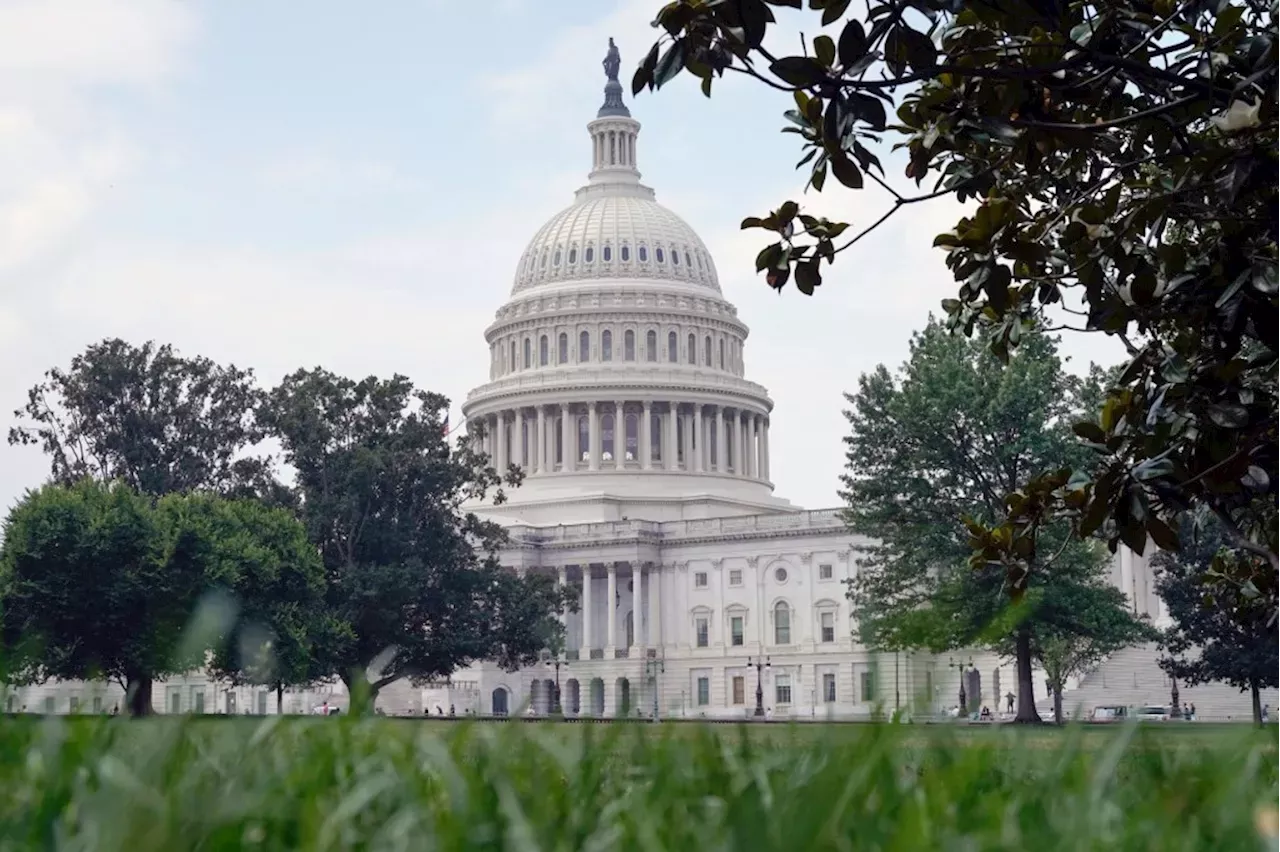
[(596, 707), (500, 701), (548, 698), (572, 698), (622, 697)]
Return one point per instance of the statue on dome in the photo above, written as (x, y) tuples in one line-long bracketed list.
[(612, 61)]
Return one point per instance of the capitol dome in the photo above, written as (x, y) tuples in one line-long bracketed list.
[(617, 379)]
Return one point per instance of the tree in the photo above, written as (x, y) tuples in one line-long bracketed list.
[(98, 580), (1223, 630), (147, 417), (414, 577), (1123, 155), (947, 439)]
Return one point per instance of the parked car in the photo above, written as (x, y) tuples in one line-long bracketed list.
[(1109, 713), (1153, 713)]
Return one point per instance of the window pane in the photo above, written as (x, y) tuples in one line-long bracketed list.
[(584, 348), (693, 350), (704, 691), (739, 691), (651, 346), (528, 353), (629, 345), (702, 632), (633, 437), (829, 688), (564, 348), (736, 629), (782, 625), (706, 360), (673, 348), (584, 438), (544, 351), (606, 436), (655, 437), (606, 346)]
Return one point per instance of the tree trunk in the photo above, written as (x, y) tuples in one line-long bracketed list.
[(279, 699), (137, 695), (360, 691), (1027, 714), (1256, 694)]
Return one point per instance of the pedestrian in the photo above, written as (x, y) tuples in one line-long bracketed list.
[(1009, 699), (1193, 712)]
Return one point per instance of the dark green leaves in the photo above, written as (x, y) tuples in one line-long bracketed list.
[(670, 64), (846, 171), (799, 71), (853, 43)]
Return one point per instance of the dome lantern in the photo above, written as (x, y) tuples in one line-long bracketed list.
[(614, 131)]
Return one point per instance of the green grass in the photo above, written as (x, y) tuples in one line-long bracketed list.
[(385, 784)]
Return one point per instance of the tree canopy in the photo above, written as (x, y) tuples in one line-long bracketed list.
[(1222, 630), (1124, 159), (945, 439), (97, 580), (413, 575)]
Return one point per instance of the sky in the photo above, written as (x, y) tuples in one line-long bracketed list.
[(287, 185)]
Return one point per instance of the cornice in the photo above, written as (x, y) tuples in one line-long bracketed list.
[(570, 386), (572, 320)]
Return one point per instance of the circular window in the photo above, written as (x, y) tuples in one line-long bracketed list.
[(644, 254), (590, 254), (607, 254), (657, 253), (626, 252), (780, 575), (573, 255)]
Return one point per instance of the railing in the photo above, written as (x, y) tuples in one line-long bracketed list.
[(621, 653), (571, 654), (814, 519), (597, 653)]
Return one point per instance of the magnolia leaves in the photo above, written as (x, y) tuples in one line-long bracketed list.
[(777, 259)]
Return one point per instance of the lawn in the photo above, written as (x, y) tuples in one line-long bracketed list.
[(388, 784)]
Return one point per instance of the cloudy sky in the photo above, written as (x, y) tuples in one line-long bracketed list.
[(282, 185)]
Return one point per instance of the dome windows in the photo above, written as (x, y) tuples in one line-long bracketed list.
[(606, 345), (629, 345), (555, 260), (657, 254), (673, 348), (607, 253), (651, 345), (544, 351), (675, 257), (543, 262), (573, 255), (584, 347), (644, 254), (626, 253), (563, 346), (590, 255)]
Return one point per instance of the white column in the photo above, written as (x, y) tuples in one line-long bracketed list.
[(764, 449), (701, 437), (517, 439), (619, 436), (586, 613), (594, 433), (611, 610), (646, 436), (561, 579), (721, 461), (669, 452), (636, 622), (500, 434), (540, 454), (569, 448), (653, 638)]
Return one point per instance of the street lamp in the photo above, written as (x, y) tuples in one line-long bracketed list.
[(760, 666), (653, 668), (557, 664), (959, 667), (1176, 710)]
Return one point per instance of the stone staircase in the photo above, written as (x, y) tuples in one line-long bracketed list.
[(1133, 677)]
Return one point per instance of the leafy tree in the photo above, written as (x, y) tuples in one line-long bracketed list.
[(1124, 158), (98, 580), (147, 417), (947, 439), (414, 577), (1223, 630)]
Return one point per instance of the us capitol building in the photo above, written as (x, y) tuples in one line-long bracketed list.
[(618, 382)]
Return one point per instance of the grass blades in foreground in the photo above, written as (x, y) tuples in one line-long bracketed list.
[(379, 784)]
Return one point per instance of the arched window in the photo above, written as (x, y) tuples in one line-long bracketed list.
[(606, 345), (706, 350), (528, 353), (513, 357), (573, 255), (544, 351), (655, 437), (606, 437), (626, 252), (564, 348), (633, 437), (673, 347), (693, 349), (607, 253), (729, 457), (651, 345), (542, 262), (589, 255), (657, 253), (679, 440), (584, 438), (629, 345), (555, 260), (722, 353), (559, 428), (584, 347), (675, 257), (644, 254), (781, 624)]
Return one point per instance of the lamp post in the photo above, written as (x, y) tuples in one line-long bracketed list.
[(653, 668), (1176, 710), (760, 666), (959, 666), (557, 663)]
